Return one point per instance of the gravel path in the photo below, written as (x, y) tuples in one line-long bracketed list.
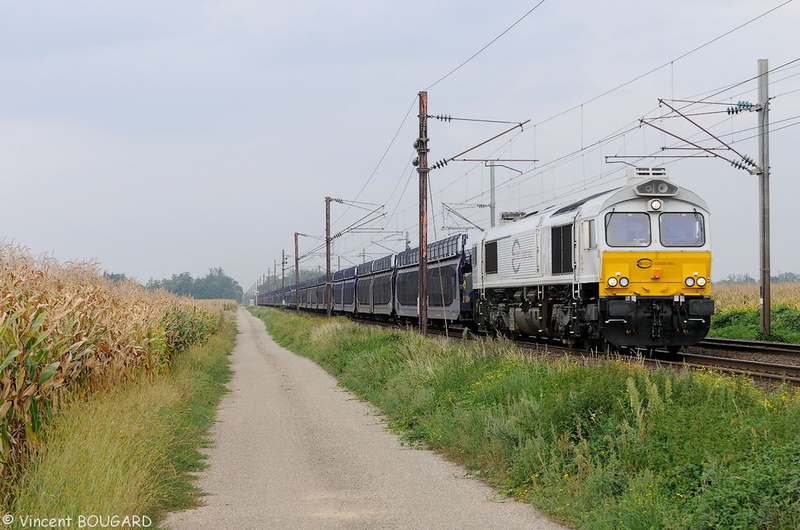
[(294, 450)]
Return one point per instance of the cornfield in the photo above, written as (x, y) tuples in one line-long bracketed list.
[(729, 297), (68, 331)]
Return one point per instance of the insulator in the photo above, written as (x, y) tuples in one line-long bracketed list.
[(738, 165)]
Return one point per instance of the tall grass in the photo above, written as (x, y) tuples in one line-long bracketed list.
[(126, 451), (67, 330), (605, 445)]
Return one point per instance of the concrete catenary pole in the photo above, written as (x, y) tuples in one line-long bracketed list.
[(763, 196), (296, 273), (283, 277), (328, 308), (422, 168), (491, 194)]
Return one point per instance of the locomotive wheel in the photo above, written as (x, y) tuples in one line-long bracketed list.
[(595, 345), (672, 352), (609, 349)]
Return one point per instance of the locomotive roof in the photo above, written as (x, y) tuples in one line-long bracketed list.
[(636, 189), (596, 202), (633, 190)]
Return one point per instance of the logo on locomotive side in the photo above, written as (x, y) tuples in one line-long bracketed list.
[(644, 263), (521, 256), (516, 249)]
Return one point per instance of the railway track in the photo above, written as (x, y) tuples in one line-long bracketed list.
[(776, 363), (773, 361), (779, 362), (756, 369), (780, 348)]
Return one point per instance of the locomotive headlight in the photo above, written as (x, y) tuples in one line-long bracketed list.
[(656, 204), (612, 282), (689, 282), (623, 282), (701, 282)]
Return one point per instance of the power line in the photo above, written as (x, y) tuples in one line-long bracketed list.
[(568, 157), (391, 143), (454, 70), (543, 167), (434, 84), (587, 149), (740, 83), (698, 48)]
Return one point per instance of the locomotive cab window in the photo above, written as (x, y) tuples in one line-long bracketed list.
[(682, 229), (628, 229)]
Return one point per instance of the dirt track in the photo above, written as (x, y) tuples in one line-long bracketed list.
[(293, 450)]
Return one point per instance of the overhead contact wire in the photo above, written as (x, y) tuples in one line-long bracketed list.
[(454, 70)]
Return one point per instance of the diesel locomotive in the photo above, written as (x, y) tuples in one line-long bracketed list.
[(629, 267)]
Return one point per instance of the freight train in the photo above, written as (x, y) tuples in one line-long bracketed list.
[(625, 268)]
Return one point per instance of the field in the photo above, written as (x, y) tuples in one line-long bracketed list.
[(745, 296), (737, 312), (66, 332)]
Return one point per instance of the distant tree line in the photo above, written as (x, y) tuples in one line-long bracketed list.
[(215, 285), (736, 279)]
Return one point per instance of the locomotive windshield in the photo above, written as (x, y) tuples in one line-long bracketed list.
[(628, 229), (682, 229)]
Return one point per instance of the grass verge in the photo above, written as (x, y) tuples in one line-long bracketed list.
[(128, 451), (602, 446), (744, 323)]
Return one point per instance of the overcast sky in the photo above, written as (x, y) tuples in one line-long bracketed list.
[(179, 135)]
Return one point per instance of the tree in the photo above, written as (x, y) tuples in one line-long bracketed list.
[(182, 284), (115, 277), (215, 285), (786, 277), (738, 279)]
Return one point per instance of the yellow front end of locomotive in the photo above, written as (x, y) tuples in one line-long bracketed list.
[(655, 273)]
